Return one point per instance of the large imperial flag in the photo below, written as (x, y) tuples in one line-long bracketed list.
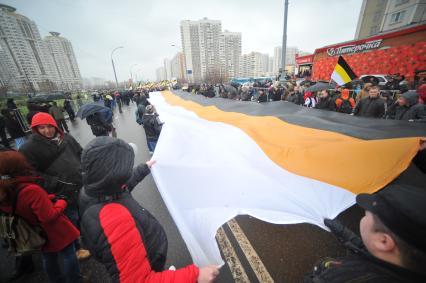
[(277, 161)]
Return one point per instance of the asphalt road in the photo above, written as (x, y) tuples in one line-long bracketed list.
[(263, 252)]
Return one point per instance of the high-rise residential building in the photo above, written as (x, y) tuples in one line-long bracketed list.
[(245, 65), (378, 16), (252, 65), (209, 37), (178, 66), (7, 77), (271, 65), (290, 58), (208, 51), (161, 74), (64, 61), (230, 52), (264, 62), (191, 49), (290, 55), (26, 63), (168, 69)]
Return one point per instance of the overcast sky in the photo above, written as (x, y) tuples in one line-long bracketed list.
[(147, 29)]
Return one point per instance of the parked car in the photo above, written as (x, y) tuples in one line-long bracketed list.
[(380, 78)]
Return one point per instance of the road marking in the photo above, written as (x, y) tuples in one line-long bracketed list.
[(237, 270), (253, 258)]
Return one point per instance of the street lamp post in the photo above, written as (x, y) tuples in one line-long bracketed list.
[(113, 67), (284, 46)]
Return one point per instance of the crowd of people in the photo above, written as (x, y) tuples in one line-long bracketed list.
[(81, 198), (101, 123), (14, 123), (391, 101)]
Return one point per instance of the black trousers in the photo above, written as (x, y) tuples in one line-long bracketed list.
[(3, 137)]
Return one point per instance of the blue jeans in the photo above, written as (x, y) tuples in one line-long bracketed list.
[(152, 143), (74, 216), (71, 267)]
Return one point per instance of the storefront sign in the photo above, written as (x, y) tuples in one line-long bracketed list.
[(347, 49), (307, 59)]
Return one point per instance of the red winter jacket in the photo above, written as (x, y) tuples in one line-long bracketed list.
[(34, 205), (117, 230), (121, 235)]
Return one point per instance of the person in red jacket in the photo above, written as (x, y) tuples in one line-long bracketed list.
[(17, 185), (118, 231)]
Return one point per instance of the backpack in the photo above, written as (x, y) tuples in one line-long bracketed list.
[(22, 237), (345, 107), (139, 114)]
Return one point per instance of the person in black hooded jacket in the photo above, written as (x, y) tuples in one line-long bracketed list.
[(408, 108), (152, 127), (119, 232)]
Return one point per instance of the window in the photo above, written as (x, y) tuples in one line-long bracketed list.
[(397, 17)]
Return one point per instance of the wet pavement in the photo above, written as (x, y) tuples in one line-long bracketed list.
[(287, 251)]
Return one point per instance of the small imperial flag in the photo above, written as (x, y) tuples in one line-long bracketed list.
[(342, 73)]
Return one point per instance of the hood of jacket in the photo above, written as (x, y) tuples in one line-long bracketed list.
[(42, 118), (308, 94), (411, 97), (107, 163)]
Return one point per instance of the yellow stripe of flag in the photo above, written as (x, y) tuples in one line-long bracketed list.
[(342, 73)]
